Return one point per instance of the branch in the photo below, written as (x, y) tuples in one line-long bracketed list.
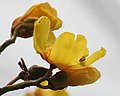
[(8, 42), (23, 85), (28, 83)]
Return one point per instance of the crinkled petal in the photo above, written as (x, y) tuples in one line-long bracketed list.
[(83, 76), (39, 10), (41, 34), (67, 50), (95, 56), (58, 24), (44, 9)]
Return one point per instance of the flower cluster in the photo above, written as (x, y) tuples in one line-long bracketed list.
[(66, 53)]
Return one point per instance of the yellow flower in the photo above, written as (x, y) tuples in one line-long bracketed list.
[(66, 52), (47, 92), (38, 10)]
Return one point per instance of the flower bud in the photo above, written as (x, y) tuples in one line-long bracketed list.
[(58, 81), (24, 29), (35, 72)]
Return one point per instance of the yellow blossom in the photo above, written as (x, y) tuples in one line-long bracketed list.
[(66, 52), (38, 10)]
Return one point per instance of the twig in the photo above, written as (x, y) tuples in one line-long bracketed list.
[(49, 71), (23, 85), (28, 83), (8, 42), (24, 68), (13, 81)]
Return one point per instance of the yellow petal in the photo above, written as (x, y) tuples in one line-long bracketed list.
[(39, 92), (48, 92), (83, 76), (54, 12), (41, 34), (60, 93), (79, 48), (67, 50), (29, 94), (78, 64), (51, 39), (95, 56), (58, 24), (39, 10), (86, 52), (43, 9)]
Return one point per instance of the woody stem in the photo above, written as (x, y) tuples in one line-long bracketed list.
[(23, 85), (8, 42), (49, 71)]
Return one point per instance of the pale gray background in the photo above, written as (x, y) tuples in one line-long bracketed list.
[(98, 20)]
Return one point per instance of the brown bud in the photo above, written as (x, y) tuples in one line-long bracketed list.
[(35, 72), (25, 28), (58, 81)]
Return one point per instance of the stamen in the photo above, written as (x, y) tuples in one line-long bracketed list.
[(82, 59)]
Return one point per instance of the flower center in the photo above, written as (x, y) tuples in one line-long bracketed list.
[(82, 61)]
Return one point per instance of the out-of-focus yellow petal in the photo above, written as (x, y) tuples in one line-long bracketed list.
[(43, 9), (41, 34), (39, 92), (95, 56), (59, 93), (83, 76), (48, 92), (29, 94), (67, 50)]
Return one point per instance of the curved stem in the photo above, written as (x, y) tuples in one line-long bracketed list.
[(49, 71), (8, 42)]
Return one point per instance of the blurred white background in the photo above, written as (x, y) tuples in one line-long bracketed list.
[(98, 20)]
